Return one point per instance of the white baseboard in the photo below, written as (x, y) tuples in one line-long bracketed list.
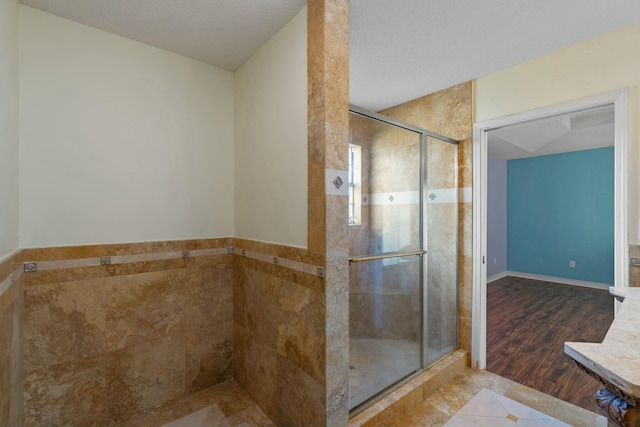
[(497, 276), (562, 280)]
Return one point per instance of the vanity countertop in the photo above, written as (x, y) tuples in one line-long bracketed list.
[(617, 358)]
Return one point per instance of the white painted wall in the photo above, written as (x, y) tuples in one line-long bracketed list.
[(119, 141), (599, 65), (271, 139), (8, 127)]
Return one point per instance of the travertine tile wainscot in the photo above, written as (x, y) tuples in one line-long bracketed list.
[(113, 330), (11, 339)]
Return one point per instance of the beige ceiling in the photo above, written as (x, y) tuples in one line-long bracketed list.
[(400, 49), (224, 33)]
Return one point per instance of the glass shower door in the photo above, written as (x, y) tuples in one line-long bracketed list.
[(441, 236), (386, 262)]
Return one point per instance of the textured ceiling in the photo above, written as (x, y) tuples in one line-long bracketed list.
[(403, 49), (400, 49)]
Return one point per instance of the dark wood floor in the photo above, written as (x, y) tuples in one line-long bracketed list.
[(528, 322)]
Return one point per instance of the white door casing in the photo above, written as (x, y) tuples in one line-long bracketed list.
[(619, 99)]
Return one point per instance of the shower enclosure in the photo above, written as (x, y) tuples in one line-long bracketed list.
[(403, 210)]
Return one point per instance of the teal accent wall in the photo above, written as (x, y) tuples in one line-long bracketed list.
[(560, 208)]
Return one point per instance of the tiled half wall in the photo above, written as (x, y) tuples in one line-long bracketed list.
[(113, 330), (11, 339), (279, 331)]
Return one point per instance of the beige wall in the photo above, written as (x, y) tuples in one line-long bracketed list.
[(8, 126), (602, 64), (11, 283), (119, 141), (271, 139)]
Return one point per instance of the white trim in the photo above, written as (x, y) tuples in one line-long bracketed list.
[(561, 280), (479, 267), (498, 276), (621, 211), (620, 100)]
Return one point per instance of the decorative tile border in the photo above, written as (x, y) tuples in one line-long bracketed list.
[(121, 259), (12, 275), (93, 260), (9, 280), (434, 196), (282, 262)]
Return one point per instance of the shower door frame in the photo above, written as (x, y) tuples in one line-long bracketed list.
[(422, 252)]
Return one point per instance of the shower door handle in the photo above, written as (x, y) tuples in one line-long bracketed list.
[(385, 256)]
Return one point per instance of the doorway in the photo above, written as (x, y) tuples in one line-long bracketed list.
[(618, 101)]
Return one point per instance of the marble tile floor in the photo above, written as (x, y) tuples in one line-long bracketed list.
[(447, 406), (488, 408), (222, 405), (375, 364)]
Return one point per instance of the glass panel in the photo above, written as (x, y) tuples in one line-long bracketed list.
[(384, 325), (385, 315), (441, 237), (388, 187)]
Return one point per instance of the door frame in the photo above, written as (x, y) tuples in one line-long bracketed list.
[(620, 100)]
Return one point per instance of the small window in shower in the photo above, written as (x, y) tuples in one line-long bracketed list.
[(355, 187)]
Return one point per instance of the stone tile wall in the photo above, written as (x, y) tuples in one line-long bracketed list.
[(11, 340), (450, 113), (384, 298), (634, 270), (112, 330), (279, 331)]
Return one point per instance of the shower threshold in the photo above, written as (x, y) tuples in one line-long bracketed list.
[(409, 391)]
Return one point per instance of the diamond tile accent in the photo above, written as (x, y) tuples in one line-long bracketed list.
[(338, 182), (391, 198)]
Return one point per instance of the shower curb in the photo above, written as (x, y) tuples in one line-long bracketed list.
[(411, 394)]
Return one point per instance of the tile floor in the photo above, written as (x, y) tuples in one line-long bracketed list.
[(473, 398), (488, 408), (222, 405), (444, 405)]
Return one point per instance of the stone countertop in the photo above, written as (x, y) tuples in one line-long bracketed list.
[(617, 358)]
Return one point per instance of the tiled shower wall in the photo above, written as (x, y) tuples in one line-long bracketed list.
[(450, 113), (113, 330), (384, 297), (11, 340)]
